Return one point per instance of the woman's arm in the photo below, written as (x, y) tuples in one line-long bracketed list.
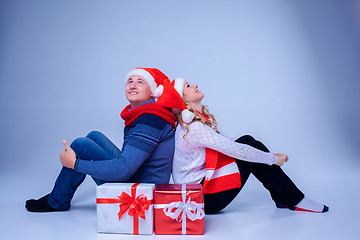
[(232, 138), (202, 135)]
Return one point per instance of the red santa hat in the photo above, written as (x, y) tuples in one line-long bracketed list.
[(163, 90), (178, 85), (153, 76)]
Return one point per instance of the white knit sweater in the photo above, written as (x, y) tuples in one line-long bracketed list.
[(189, 156)]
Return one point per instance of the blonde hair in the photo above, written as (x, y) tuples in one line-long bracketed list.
[(204, 110)]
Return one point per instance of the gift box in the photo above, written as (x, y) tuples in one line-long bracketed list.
[(179, 209), (125, 208)]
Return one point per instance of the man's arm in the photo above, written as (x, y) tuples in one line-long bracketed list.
[(145, 137)]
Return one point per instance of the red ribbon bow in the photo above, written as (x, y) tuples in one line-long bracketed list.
[(136, 206)]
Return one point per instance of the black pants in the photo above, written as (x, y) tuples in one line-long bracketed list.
[(282, 189)]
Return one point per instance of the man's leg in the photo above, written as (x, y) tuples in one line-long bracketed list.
[(68, 180), (105, 143)]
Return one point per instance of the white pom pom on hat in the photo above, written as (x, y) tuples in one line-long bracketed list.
[(187, 116), (158, 91)]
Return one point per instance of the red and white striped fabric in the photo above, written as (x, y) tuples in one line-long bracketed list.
[(221, 174)]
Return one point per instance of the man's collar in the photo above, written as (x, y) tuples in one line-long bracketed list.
[(147, 102)]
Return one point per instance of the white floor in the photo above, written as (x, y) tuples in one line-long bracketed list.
[(251, 215)]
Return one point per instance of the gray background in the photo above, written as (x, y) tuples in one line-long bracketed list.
[(286, 72)]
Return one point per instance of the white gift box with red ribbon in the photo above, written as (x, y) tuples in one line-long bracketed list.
[(125, 208)]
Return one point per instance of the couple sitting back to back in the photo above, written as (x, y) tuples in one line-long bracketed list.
[(195, 153)]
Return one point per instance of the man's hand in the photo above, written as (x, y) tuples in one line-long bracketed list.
[(68, 156), (281, 159)]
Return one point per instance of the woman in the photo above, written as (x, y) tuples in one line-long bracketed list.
[(146, 154), (203, 155)]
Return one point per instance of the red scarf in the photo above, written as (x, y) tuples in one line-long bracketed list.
[(222, 172), (152, 108)]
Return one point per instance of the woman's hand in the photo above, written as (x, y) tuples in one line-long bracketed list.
[(68, 156), (281, 159)]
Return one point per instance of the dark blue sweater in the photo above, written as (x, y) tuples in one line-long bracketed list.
[(147, 154)]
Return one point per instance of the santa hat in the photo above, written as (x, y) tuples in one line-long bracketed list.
[(153, 76), (163, 90), (178, 86)]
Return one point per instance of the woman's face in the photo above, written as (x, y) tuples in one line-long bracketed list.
[(192, 93), (137, 91)]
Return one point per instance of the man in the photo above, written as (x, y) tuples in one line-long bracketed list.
[(146, 154)]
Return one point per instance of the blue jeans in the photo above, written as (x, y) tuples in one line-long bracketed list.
[(95, 146)]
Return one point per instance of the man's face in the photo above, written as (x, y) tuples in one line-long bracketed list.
[(137, 91)]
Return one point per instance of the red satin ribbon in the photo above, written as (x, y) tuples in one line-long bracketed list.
[(136, 205)]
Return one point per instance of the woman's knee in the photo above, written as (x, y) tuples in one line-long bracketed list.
[(245, 139)]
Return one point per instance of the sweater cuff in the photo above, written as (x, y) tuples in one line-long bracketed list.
[(274, 159), (76, 167)]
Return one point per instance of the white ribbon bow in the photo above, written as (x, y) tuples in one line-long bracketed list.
[(189, 209)]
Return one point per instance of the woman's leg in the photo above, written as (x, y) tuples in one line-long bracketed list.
[(215, 202), (68, 180), (282, 190)]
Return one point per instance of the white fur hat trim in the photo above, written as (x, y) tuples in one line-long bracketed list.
[(145, 75), (179, 85)]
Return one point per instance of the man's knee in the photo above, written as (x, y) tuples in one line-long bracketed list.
[(78, 143), (94, 135)]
